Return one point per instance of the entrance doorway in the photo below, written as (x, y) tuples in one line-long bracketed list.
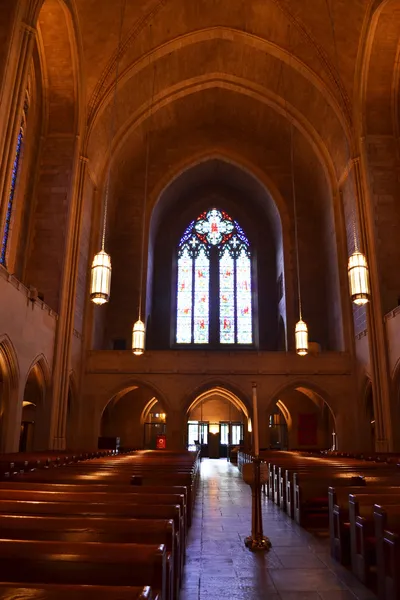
[(214, 439), (230, 434), (151, 431), (197, 436)]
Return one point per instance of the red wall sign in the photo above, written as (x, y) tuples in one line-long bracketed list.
[(161, 442)]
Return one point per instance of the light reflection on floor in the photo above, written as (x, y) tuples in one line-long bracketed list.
[(219, 566)]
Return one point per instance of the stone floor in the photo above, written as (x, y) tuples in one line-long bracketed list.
[(219, 567)]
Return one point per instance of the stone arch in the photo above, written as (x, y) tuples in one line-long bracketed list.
[(223, 393), (126, 413), (235, 85), (216, 413), (226, 180), (324, 331), (9, 372), (232, 392), (35, 415), (320, 421), (396, 405), (59, 49)]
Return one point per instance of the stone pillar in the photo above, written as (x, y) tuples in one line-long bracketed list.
[(67, 309), (176, 430), (376, 330)]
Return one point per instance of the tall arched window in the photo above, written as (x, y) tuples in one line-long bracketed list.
[(214, 287), (13, 183)]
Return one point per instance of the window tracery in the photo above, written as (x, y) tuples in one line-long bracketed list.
[(214, 282)]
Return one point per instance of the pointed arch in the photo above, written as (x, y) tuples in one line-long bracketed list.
[(10, 374)]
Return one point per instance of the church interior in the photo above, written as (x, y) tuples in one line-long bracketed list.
[(199, 262)]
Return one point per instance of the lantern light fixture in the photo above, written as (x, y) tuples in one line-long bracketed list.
[(358, 278), (301, 333), (138, 337), (100, 281), (358, 272), (100, 278)]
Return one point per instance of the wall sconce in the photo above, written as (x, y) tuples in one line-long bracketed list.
[(214, 428)]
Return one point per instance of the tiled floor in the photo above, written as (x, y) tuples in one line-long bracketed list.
[(219, 566)]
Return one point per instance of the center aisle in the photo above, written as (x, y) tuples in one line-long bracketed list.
[(219, 567)]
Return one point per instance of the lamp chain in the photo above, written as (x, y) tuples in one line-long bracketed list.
[(112, 125), (354, 207), (146, 181), (296, 234)]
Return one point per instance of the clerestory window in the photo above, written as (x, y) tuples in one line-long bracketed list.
[(214, 282), (13, 185)]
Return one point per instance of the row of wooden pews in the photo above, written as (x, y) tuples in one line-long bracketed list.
[(356, 500), (110, 527), (12, 465)]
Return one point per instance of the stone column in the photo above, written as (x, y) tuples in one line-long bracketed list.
[(176, 430), (376, 331), (62, 354)]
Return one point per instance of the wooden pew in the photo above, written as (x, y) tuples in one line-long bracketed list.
[(311, 502), (136, 497), (14, 591), (362, 529), (84, 564), (86, 509), (387, 535), (100, 530), (339, 524)]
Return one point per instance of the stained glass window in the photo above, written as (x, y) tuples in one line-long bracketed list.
[(13, 185), (214, 289)]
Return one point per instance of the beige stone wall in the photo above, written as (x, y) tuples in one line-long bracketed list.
[(233, 85)]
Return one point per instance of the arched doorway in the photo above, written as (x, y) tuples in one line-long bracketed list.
[(278, 429), (8, 396), (217, 421), (133, 418), (301, 419), (153, 419), (33, 417)]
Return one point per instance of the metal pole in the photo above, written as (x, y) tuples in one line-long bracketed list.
[(256, 541)]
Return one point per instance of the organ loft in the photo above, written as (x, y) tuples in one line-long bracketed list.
[(199, 267)]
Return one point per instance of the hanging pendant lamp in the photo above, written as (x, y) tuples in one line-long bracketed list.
[(100, 281), (100, 278), (138, 337), (358, 278), (139, 328), (301, 329), (358, 272), (301, 334)]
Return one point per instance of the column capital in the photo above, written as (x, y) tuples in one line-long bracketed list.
[(28, 28)]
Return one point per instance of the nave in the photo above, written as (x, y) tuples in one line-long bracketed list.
[(218, 566)]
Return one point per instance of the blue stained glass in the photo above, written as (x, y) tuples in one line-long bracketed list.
[(243, 296), (13, 186), (233, 256), (201, 297), (226, 298), (184, 298)]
